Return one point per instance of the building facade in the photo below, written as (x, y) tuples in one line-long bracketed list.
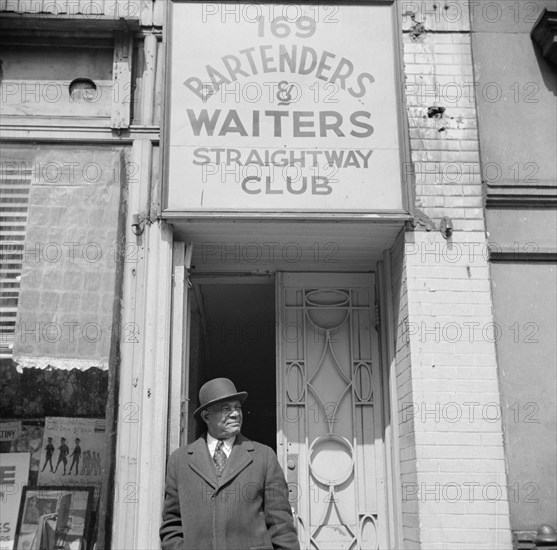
[(349, 210)]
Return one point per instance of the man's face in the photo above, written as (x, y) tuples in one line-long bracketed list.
[(223, 419)]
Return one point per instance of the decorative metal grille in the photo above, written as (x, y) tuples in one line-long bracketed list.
[(330, 385)]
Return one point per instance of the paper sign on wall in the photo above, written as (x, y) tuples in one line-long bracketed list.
[(73, 451), (9, 431), (14, 472)]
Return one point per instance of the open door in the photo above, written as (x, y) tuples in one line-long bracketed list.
[(179, 351), (330, 426), (232, 334)]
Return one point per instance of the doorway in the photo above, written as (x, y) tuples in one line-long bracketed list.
[(307, 353), (232, 335)]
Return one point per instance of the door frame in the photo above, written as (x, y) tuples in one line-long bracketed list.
[(179, 346), (183, 284), (179, 406), (387, 345)]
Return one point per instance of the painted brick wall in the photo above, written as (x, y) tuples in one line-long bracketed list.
[(407, 442), (447, 372)]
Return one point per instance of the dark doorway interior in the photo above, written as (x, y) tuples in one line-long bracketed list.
[(233, 335)]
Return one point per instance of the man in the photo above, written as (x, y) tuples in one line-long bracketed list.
[(223, 491), (76, 454), (86, 468), (63, 451), (49, 452)]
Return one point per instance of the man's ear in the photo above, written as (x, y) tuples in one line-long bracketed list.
[(204, 415)]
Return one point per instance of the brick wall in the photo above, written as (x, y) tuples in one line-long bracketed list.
[(407, 442), (452, 457)]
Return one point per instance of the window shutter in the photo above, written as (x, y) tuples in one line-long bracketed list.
[(15, 185)]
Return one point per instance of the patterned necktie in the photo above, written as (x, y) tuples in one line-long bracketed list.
[(219, 457)]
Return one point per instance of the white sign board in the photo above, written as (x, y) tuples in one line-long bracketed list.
[(14, 473), (283, 107)]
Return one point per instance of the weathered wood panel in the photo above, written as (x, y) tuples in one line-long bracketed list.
[(127, 9)]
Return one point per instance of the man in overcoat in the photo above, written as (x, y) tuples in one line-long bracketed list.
[(224, 491)]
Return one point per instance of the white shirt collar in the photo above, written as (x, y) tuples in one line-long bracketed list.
[(227, 444)]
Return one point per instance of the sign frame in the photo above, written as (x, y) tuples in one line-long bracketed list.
[(56, 498), (404, 160)]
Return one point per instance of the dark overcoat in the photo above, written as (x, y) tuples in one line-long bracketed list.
[(246, 508)]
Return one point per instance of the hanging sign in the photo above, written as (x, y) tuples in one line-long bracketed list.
[(281, 107)]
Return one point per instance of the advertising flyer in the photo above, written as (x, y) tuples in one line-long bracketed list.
[(14, 472), (72, 452), (30, 440), (8, 432)]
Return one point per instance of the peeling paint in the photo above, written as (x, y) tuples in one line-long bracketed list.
[(417, 28)]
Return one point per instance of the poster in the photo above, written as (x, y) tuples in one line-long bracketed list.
[(8, 432), (72, 451), (14, 471), (54, 517), (30, 440), (293, 107)]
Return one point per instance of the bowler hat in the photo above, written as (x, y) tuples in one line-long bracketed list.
[(218, 389)]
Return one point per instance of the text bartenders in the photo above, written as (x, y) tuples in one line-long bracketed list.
[(268, 59)]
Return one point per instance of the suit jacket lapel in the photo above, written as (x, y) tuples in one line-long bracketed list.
[(202, 463), (240, 458)]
